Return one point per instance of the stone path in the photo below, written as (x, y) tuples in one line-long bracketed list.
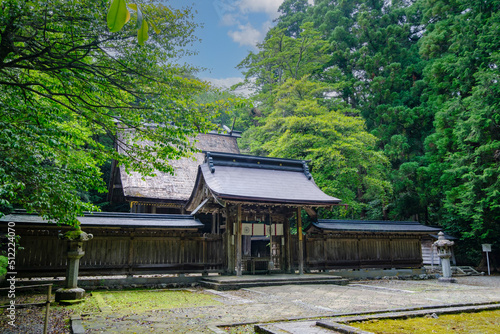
[(278, 303)]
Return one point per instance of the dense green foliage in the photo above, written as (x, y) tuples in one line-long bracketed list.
[(298, 122), (67, 82), (416, 81), (462, 166)]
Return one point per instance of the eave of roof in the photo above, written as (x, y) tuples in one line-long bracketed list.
[(373, 226), (105, 219)]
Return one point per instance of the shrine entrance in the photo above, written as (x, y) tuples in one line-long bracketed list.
[(253, 199), (263, 244), (256, 242)]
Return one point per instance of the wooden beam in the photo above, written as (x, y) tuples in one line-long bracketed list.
[(311, 213), (199, 206)]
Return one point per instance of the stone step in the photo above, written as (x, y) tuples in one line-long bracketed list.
[(469, 271), (291, 278), (234, 283)]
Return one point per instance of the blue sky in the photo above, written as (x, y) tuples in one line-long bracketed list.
[(231, 28)]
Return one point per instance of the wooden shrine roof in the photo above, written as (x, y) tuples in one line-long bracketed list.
[(371, 226), (177, 187), (245, 178), (117, 219)]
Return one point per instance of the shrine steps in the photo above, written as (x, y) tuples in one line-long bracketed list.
[(222, 283)]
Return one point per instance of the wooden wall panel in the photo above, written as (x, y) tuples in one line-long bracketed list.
[(119, 251)]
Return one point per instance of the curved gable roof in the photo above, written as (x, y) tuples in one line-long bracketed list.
[(245, 178)]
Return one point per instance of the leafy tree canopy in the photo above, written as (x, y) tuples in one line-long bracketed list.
[(66, 82), (463, 156)]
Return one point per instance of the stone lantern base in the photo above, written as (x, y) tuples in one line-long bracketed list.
[(447, 280), (69, 294)]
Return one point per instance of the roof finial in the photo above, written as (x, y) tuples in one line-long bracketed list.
[(306, 170), (210, 161)]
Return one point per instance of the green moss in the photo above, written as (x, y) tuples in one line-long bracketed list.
[(89, 305), (74, 233), (145, 300), (484, 322)]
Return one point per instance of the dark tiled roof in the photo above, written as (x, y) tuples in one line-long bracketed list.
[(106, 219), (373, 226), (261, 179)]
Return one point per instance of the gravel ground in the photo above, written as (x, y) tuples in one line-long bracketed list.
[(30, 320), (251, 303)]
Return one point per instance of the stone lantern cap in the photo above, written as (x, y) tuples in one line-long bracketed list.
[(76, 234), (442, 241)]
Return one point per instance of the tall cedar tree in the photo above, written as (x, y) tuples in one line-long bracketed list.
[(463, 155)]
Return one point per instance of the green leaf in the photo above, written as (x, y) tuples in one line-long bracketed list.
[(142, 33), (133, 6), (118, 15), (139, 18), (154, 27)]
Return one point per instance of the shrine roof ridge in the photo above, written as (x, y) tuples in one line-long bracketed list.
[(373, 226), (118, 219), (251, 161)]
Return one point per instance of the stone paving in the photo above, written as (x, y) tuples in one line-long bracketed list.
[(264, 304)]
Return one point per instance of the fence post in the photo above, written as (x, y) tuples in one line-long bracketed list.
[(47, 308), (130, 255)]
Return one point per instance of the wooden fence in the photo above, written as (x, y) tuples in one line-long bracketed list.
[(132, 251), (354, 251), (115, 251)]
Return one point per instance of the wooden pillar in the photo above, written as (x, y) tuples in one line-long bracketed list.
[(238, 242), (301, 245), (230, 240), (219, 219), (214, 221), (288, 242)]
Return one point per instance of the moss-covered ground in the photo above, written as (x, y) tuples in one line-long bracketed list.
[(484, 322), (30, 319), (134, 301)]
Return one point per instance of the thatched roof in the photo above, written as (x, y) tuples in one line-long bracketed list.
[(178, 187)]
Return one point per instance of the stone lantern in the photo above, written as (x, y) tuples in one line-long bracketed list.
[(75, 239), (444, 252)]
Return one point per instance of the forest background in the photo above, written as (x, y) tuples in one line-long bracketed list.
[(395, 105)]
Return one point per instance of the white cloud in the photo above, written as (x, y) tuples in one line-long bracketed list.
[(226, 83), (235, 14), (229, 19), (269, 7), (247, 35)]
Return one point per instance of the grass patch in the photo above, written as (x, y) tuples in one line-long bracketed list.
[(145, 300), (484, 322), (89, 305)]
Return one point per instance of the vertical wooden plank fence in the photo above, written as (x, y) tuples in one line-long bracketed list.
[(356, 251), (115, 251)]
